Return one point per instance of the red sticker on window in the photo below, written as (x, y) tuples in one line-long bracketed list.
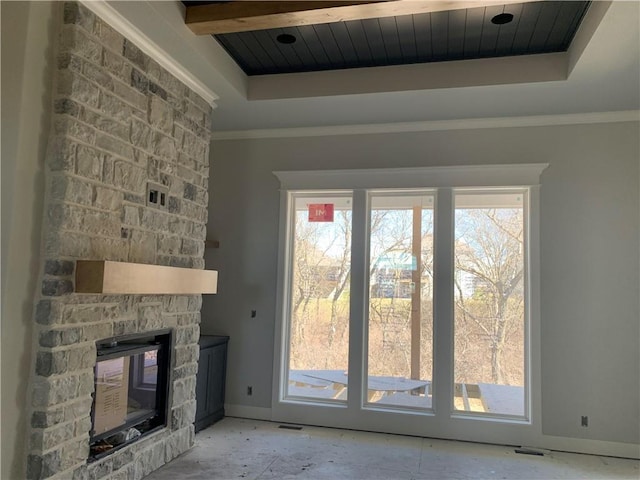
[(321, 212)]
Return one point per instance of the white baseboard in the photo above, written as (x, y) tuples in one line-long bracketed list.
[(591, 447), (246, 411)]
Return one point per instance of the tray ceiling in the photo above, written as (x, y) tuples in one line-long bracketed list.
[(438, 36)]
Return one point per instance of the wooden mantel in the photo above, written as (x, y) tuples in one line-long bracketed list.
[(103, 276)]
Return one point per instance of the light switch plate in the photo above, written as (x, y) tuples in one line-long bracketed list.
[(157, 196)]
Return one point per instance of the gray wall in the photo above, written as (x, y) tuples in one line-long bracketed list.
[(589, 255), (27, 33)]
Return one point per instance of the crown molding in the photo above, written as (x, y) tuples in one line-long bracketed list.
[(433, 125), (107, 13)]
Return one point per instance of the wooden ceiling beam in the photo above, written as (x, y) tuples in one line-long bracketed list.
[(243, 16)]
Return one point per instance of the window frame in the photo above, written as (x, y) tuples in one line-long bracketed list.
[(431, 193), (526, 192), (445, 181), (287, 297)]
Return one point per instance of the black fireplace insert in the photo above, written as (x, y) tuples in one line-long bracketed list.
[(131, 390)]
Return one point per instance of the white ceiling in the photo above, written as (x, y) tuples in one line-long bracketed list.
[(606, 78)]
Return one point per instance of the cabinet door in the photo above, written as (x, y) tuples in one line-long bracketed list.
[(202, 384), (216, 376)]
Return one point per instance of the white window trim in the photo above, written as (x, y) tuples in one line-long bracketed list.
[(524, 175), (445, 179)]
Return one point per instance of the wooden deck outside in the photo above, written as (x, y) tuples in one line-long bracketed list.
[(403, 392)]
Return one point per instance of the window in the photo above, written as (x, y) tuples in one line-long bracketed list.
[(400, 320), (319, 299), (489, 314), (414, 295)]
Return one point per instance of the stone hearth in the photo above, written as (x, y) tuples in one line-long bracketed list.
[(120, 121)]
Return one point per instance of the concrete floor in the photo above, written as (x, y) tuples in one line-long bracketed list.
[(237, 448)]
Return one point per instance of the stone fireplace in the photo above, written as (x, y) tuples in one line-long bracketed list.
[(121, 123)]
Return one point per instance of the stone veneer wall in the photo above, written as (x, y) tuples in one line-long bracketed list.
[(120, 121)]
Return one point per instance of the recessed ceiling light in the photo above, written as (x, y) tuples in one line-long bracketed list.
[(502, 18), (286, 38)]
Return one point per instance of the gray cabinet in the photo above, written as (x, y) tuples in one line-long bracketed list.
[(212, 367)]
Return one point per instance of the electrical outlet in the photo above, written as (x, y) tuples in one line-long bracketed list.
[(249, 390), (584, 421)]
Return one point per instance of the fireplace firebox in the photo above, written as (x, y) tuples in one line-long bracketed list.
[(131, 390)]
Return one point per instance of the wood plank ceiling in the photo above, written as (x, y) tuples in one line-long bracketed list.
[(460, 34)]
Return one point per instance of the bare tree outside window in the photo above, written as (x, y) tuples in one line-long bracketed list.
[(489, 292), (393, 292), (489, 320), (320, 293)]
